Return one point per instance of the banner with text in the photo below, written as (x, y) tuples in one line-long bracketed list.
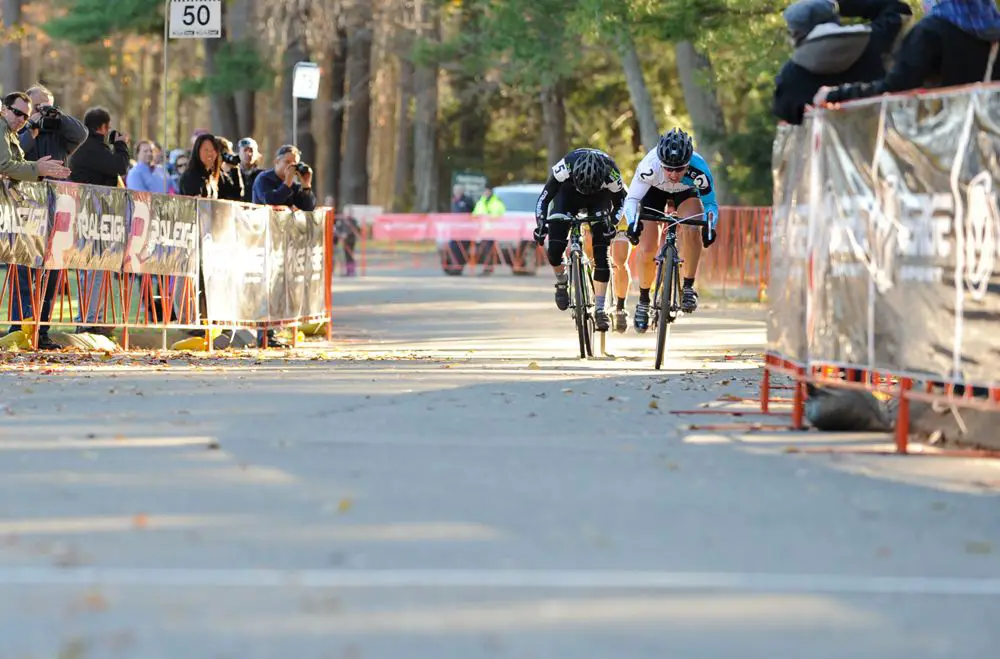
[(87, 231), (163, 235), (24, 223)]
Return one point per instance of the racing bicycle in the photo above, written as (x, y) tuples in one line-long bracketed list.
[(665, 307), (580, 272)]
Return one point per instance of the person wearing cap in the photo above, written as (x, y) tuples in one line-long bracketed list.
[(284, 185), (250, 159), (828, 53)]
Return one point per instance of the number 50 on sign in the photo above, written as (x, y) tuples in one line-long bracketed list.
[(195, 19)]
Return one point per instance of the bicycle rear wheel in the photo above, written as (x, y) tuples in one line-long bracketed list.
[(579, 302), (667, 295)]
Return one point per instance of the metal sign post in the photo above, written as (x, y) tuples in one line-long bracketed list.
[(305, 84), (186, 19)]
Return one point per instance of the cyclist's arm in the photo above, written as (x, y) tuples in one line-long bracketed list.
[(548, 193), (633, 199), (704, 185)]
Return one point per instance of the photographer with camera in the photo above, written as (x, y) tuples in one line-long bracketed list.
[(48, 131), (230, 181), (289, 183)]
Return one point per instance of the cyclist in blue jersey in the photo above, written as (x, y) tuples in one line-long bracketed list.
[(673, 175)]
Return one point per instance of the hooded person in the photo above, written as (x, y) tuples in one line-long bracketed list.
[(951, 45), (830, 54)]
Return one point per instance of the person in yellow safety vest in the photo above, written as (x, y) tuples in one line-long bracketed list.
[(488, 204)]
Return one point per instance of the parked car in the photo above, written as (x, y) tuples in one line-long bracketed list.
[(519, 199)]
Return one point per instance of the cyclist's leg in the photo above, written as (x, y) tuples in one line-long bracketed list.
[(556, 248), (649, 243), (622, 278), (690, 247), (602, 275)]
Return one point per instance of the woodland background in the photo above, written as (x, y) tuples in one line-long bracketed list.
[(413, 90)]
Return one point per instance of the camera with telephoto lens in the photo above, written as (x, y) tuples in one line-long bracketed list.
[(49, 120), (302, 168), (113, 136), (231, 159)]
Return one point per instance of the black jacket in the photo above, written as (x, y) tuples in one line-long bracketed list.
[(231, 185), (832, 55), (59, 144), (934, 53), (463, 204), (248, 180), (97, 163), (195, 182)]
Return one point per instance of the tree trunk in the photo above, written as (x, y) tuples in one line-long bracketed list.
[(354, 170), (404, 172), (642, 104), (474, 96), (240, 14), (335, 115), (554, 122), (706, 114), (224, 121), (11, 78), (425, 129)]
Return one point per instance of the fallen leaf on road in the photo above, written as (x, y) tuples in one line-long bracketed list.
[(140, 521), (653, 405), (344, 505), (791, 449), (534, 366), (567, 391), (725, 382), (978, 547)]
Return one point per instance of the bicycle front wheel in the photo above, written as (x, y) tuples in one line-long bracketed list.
[(667, 294), (579, 302)]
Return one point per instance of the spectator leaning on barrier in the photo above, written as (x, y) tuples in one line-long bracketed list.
[(204, 169), (230, 178), (145, 176), (250, 159), (951, 45), (15, 113), (281, 185), (828, 53), (48, 132)]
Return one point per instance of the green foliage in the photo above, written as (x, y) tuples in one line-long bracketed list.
[(239, 67), (93, 21)]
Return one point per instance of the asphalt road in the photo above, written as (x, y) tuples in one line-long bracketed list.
[(448, 480)]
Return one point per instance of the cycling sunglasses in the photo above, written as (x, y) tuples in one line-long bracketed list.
[(682, 168), (16, 112)]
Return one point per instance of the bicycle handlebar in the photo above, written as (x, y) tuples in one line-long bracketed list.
[(650, 215)]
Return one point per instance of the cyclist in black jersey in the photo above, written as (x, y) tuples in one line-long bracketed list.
[(586, 179)]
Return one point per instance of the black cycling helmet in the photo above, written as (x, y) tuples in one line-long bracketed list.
[(590, 172), (675, 149)]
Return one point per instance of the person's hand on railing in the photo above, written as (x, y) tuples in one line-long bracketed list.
[(50, 168)]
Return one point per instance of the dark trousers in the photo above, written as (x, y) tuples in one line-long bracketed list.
[(24, 308)]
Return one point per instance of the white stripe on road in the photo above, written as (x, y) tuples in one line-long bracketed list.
[(504, 579), (104, 443)]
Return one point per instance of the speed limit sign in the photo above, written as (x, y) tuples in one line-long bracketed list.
[(195, 19)]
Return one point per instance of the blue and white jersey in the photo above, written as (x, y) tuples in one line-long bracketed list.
[(651, 174)]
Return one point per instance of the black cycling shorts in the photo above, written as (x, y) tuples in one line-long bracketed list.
[(657, 199)]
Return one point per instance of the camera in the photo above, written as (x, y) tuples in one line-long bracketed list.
[(231, 159), (49, 120), (302, 168), (113, 136)]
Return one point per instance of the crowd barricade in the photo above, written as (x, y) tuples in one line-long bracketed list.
[(885, 241), (142, 260), (738, 259)]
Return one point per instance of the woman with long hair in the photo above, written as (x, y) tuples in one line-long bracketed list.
[(204, 169)]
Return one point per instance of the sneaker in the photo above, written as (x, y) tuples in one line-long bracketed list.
[(689, 300), (562, 295), (640, 321), (601, 321), (621, 320)]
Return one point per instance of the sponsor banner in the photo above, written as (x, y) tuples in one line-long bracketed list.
[(219, 251), (24, 223), (88, 228), (250, 267), (786, 321), (277, 287), (898, 203), (314, 279), (445, 227), (163, 235)]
